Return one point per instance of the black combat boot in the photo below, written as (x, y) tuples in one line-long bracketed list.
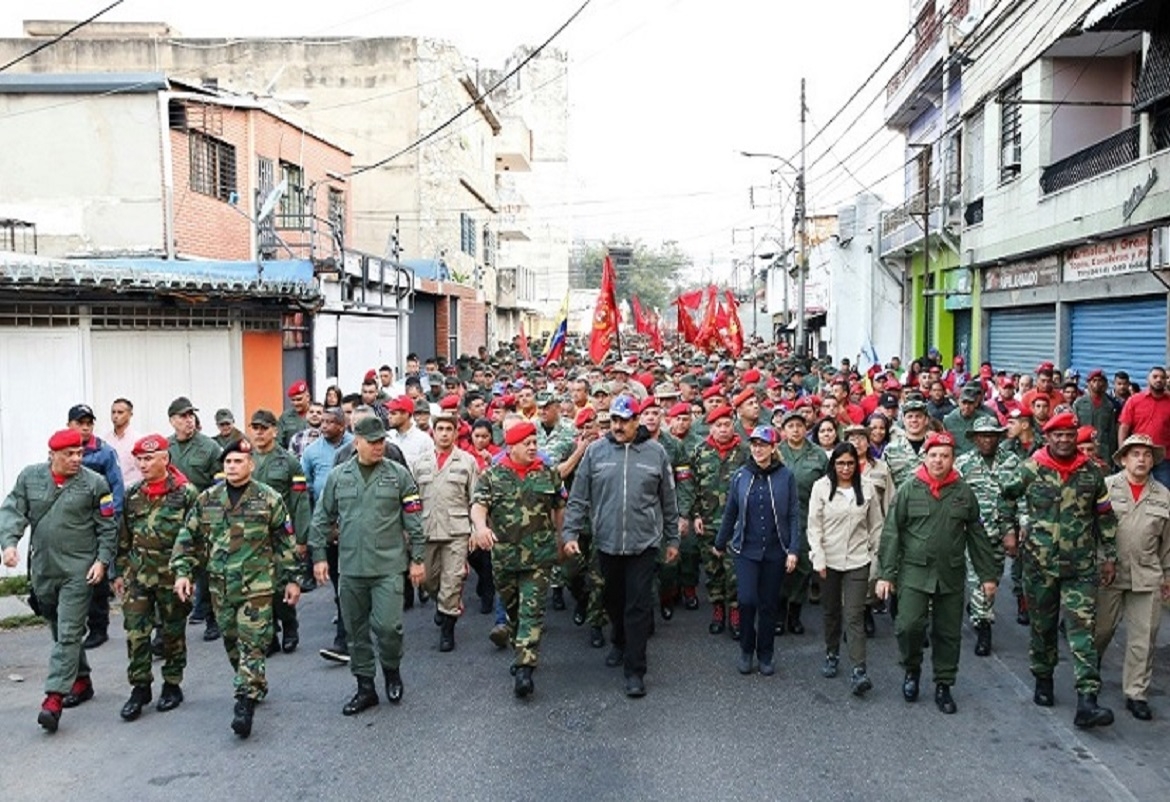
[(718, 618), (242, 721), (290, 638), (140, 696), (1091, 714), (447, 634), (942, 698), (524, 684), (910, 686), (394, 686), (982, 638), (558, 598), (793, 623), (1022, 617), (1044, 694), (170, 698), (366, 697)]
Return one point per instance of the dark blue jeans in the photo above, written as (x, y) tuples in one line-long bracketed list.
[(759, 589)]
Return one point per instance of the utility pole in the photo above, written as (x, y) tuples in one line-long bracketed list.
[(802, 213)]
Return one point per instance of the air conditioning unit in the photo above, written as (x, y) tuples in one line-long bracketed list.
[(1010, 157)]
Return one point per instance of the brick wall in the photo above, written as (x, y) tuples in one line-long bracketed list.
[(472, 315)]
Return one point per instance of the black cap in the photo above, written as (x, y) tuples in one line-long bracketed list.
[(241, 446), (265, 417), (181, 406), (81, 412)]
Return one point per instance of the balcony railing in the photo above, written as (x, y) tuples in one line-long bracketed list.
[(1101, 157), (927, 35), (915, 205), (1161, 129)]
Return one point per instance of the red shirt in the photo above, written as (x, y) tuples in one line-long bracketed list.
[(1145, 414), (855, 413), (869, 404)]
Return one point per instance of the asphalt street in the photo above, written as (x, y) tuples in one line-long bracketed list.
[(702, 732)]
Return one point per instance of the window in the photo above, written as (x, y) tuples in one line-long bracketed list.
[(973, 154), (213, 167), (489, 247), (337, 213), (1009, 130), (292, 204), (467, 237)]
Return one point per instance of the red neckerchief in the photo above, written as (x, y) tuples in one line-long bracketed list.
[(936, 485), (1065, 469), (174, 479), (58, 480), (91, 444), (521, 470), (726, 448), (441, 457)]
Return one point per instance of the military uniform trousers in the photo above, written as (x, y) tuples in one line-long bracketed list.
[(721, 582), (982, 607), (945, 612), (142, 605), (246, 624), (65, 604), (1142, 613), (585, 581), (690, 559), (1046, 593), (523, 592), (372, 606), (446, 564), (795, 587)]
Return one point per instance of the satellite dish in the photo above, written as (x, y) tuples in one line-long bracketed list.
[(270, 202), (968, 23)]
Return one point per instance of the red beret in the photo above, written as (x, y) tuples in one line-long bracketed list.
[(298, 387), (743, 396), (1086, 434), (584, 415), (449, 402), (150, 444), (938, 439), (519, 432), (1062, 422), (719, 412), (371, 375), (66, 438), (892, 382), (1027, 398), (772, 383), (648, 402), (816, 401), (1020, 412), (752, 376), (496, 403), (1095, 373), (1045, 367), (681, 408), (646, 380), (1006, 381), (712, 391), (508, 400)]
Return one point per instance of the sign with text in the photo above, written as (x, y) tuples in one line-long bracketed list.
[(1040, 272), (1113, 257)]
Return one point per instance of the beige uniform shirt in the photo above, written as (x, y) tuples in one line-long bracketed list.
[(1143, 534), (446, 493)]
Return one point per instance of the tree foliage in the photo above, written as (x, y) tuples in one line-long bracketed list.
[(654, 274)]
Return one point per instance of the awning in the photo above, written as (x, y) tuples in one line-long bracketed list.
[(1127, 15)]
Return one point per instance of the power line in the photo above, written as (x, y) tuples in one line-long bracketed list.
[(475, 101), (60, 36)]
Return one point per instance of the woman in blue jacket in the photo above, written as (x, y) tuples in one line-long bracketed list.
[(761, 527)]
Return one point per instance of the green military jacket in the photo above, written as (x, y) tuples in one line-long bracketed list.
[(375, 517), (222, 440), (522, 513), (196, 458), (1069, 520), (559, 443), (925, 540), (807, 463), (705, 494), (902, 459), (288, 424), (149, 527), (75, 524), (281, 471), (248, 546), (958, 426), (1101, 417)]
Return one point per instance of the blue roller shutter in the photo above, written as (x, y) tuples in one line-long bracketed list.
[(1127, 335), (1020, 339)]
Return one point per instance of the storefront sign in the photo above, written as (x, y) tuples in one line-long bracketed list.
[(1113, 257), (1040, 272)]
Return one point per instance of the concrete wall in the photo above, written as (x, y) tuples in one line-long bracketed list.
[(1093, 80), (87, 170)]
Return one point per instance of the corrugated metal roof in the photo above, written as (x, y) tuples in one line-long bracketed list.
[(81, 83)]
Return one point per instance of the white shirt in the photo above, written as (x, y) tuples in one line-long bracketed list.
[(124, 445), (415, 443)]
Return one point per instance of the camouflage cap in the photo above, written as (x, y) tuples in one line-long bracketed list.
[(913, 405), (985, 425), (544, 398)]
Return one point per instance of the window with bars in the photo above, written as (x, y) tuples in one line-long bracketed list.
[(467, 238), (39, 315), (291, 213), (213, 166), (337, 212), (1010, 138), (294, 328)]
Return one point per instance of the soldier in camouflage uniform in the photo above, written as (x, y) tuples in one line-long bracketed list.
[(808, 463), (517, 510), (679, 420), (1070, 517), (985, 469), (1021, 443), (582, 571), (155, 511), (241, 533), (701, 500), (556, 440), (904, 453), (276, 467)]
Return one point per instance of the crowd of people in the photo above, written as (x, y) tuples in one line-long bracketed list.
[(616, 488)]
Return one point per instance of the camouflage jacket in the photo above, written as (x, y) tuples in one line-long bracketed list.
[(281, 471), (902, 459), (808, 464), (557, 444), (150, 524), (523, 513), (1013, 446), (1069, 519), (249, 545), (705, 494), (985, 481)]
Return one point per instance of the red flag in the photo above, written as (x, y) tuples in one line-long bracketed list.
[(524, 352), (605, 315), (733, 331), (708, 336), (641, 325), (692, 300), (655, 325), (686, 326)]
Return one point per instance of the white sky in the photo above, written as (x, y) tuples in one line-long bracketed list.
[(664, 94)]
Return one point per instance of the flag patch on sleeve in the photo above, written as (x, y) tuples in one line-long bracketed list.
[(1104, 505), (288, 525), (682, 473), (412, 503), (299, 485), (106, 505)]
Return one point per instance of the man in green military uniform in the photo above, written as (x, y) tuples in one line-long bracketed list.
[(935, 518), (679, 420), (808, 463), (240, 533), (556, 439), (1070, 518), (295, 418), (375, 502), (1022, 443), (517, 511), (196, 456), (276, 467), (702, 500), (963, 419), (225, 424), (985, 469), (70, 511), (154, 512), (1095, 409)]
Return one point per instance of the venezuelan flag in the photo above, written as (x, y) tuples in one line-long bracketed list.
[(106, 505), (412, 503), (299, 484), (556, 343)]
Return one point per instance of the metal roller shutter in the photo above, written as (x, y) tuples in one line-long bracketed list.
[(1127, 335), (1020, 339)]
